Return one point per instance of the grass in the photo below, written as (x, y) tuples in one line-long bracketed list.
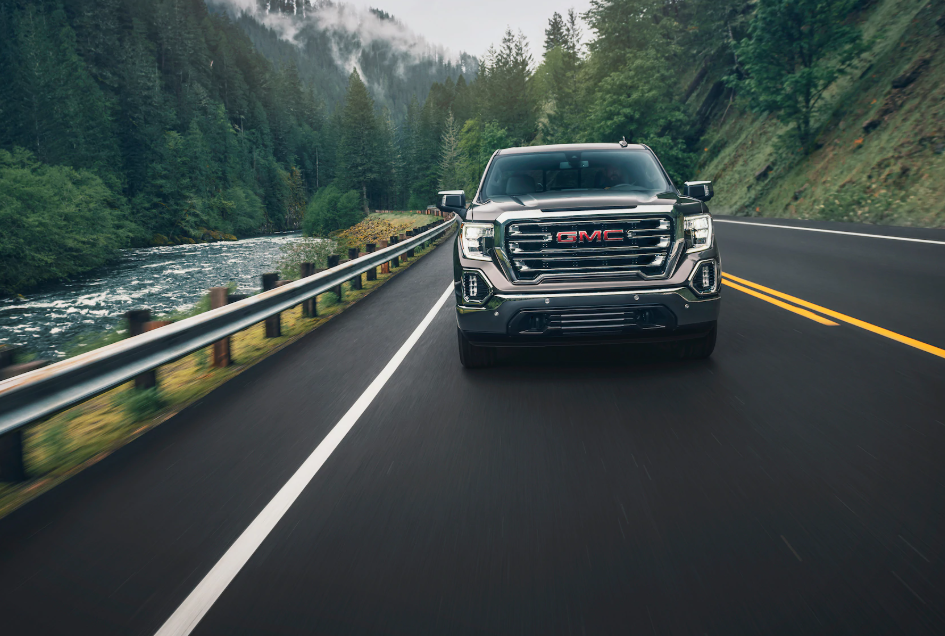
[(892, 175), (65, 444)]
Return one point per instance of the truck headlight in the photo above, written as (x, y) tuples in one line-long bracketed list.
[(698, 231), (477, 239)]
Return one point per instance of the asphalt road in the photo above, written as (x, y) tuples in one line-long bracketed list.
[(792, 484)]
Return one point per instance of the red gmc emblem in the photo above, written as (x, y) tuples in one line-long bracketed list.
[(607, 236)]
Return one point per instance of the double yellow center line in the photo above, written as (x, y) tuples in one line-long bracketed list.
[(743, 285)]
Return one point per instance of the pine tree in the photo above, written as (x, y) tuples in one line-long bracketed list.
[(505, 79), (357, 169), (295, 205), (51, 104), (450, 165), (556, 33)]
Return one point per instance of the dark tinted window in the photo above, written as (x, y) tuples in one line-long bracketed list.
[(620, 170)]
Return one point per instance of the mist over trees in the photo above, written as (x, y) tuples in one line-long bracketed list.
[(169, 122)]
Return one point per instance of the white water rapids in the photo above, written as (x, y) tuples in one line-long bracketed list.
[(163, 279)]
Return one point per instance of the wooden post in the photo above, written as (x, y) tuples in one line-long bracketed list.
[(6, 355), (11, 457), (410, 234), (310, 306), (220, 297), (11, 443), (396, 260), (136, 326), (333, 261), (371, 273), (273, 323), (353, 253), (385, 267)]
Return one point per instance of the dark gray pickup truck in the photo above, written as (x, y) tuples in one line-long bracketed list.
[(583, 244)]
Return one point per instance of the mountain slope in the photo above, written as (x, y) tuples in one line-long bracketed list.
[(880, 156), (326, 40)]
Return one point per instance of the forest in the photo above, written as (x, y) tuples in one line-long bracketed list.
[(132, 123)]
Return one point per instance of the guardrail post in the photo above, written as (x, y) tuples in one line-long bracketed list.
[(310, 306), (385, 267), (11, 443), (396, 260), (333, 261), (273, 323), (6, 356), (410, 233), (11, 457), (353, 253), (8, 369), (220, 297), (371, 273), (136, 326)]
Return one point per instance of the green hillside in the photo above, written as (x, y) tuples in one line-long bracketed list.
[(880, 152)]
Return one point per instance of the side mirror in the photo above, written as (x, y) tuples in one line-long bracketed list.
[(701, 190), (452, 201)]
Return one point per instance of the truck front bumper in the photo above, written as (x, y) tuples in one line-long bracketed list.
[(637, 315)]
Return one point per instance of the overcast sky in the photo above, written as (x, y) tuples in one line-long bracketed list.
[(472, 25)]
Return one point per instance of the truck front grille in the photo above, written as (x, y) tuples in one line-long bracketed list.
[(581, 246)]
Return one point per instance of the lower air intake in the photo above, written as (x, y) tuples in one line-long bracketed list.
[(590, 321)]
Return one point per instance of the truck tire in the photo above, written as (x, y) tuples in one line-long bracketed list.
[(473, 357), (701, 347)]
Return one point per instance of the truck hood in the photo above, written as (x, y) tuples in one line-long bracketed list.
[(559, 201)]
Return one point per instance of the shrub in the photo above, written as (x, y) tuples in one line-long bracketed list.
[(307, 250), (330, 210), (141, 403), (54, 222)]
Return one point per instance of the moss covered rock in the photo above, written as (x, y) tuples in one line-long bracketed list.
[(160, 239), (229, 237)]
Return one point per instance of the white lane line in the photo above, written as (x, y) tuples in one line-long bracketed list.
[(813, 229), (199, 602)]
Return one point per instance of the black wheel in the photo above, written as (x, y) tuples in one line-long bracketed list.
[(701, 347), (474, 357)]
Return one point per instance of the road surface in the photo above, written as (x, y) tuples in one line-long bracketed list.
[(793, 483)]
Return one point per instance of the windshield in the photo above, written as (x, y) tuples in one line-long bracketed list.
[(618, 170)]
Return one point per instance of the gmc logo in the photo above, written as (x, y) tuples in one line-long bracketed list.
[(607, 236)]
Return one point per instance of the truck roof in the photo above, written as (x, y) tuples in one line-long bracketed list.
[(568, 148)]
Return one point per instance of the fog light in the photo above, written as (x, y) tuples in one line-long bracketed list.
[(475, 288), (705, 279)]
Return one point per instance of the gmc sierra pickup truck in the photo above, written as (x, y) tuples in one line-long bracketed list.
[(580, 244)]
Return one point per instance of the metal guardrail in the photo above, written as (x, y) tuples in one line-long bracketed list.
[(43, 392)]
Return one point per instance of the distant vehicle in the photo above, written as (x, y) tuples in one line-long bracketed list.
[(583, 243)]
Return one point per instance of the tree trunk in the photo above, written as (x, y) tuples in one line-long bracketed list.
[(364, 198)]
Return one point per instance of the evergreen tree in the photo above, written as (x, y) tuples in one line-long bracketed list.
[(357, 167), (556, 33), (51, 104), (561, 85), (450, 168), (505, 82)]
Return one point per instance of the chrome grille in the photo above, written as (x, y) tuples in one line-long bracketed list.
[(576, 246)]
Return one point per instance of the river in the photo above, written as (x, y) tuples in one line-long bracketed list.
[(48, 321)]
